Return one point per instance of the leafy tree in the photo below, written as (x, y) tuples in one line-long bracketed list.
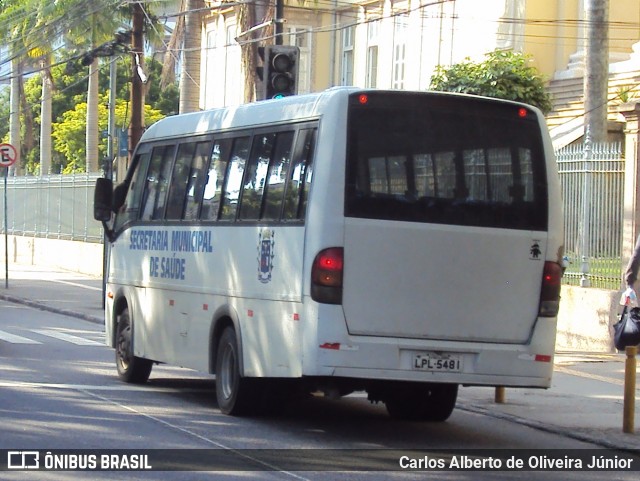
[(5, 108), (69, 132), (70, 103), (502, 74)]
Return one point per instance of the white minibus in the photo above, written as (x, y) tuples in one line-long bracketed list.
[(399, 243)]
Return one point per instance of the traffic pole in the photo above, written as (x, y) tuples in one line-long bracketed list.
[(6, 235), (499, 396), (629, 406), (8, 157)]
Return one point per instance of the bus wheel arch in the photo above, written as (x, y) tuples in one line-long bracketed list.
[(234, 393), (120, 304), (224, 317), (131, 369)]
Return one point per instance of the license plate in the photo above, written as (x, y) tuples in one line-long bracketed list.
[(437, 362)]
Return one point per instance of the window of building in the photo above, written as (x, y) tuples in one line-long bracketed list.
[(234, 88), (348, 34), (400, 27), (373, 28)]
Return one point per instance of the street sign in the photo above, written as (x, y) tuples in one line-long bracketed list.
[(8, 155)]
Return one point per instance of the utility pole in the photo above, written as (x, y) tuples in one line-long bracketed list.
[(190, 68), (596, 69), (137, 85), (279, 20)]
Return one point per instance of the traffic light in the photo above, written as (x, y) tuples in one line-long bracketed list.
[(280, 73)]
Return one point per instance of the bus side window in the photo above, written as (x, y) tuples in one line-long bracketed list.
[(233, 179), (218, 167), (300, 175), (277, 176), (179, 180), (131, 208), (156, 183), (256, 176), (197, 179)]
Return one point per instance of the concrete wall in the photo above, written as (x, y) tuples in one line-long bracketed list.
[(586, 319), (83, 257), (584, 323)]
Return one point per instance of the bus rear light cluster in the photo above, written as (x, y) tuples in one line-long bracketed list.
[(326, 276), (550, 290)]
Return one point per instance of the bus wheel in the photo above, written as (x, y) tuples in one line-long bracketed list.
[(434, 402), (233, 392), (131, 369)]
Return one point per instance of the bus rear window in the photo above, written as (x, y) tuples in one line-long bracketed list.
[(446, 160)]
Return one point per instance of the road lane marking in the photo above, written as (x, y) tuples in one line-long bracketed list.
[(13, 339), (595, 377), (89, 387), (75, 284), (78, 341)]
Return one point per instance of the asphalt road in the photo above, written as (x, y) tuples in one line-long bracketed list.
[(59, 390)]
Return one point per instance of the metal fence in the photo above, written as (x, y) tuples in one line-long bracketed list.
[(592, 182), (53, 206)]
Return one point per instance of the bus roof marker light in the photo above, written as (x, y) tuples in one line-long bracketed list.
[(522, 112), (364, 99)]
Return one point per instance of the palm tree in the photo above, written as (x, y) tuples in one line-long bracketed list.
[(30, 28), (190, 73), (15, 20), (250, 14), (88, 29), (44, 32)]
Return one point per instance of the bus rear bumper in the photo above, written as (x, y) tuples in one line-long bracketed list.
[(466, 363)]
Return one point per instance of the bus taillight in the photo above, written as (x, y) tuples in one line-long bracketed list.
[(326, 276), (550, 290)]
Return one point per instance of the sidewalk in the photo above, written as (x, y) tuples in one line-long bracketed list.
[(52, 290), (585, 400)]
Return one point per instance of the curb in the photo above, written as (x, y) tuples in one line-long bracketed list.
[(565, 432), (45, 307)]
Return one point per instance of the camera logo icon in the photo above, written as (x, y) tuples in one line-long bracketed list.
[(23, 460)]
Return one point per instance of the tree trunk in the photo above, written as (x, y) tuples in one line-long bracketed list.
[(14, 115), (170, 59), (190, 70), (92, 161), (28, 142), (45, 123), (247, 19)]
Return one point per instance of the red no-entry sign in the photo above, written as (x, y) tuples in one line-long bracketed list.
[(8, 155)]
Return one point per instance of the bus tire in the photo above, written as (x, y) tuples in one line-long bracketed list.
[(432, 403), (233, 392), (131, 369)]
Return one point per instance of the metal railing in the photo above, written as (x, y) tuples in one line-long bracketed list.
[(592, 183), (52, 206)]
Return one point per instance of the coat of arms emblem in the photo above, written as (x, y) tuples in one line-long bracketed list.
[(266, 242)]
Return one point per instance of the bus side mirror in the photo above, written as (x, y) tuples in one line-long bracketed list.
[(103, 199)]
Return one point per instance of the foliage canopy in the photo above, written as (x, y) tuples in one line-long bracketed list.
[(502, 74)]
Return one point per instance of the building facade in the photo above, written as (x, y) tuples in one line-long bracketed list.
[(398, 44)]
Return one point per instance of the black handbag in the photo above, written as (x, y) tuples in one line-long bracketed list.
[(627, 329)]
